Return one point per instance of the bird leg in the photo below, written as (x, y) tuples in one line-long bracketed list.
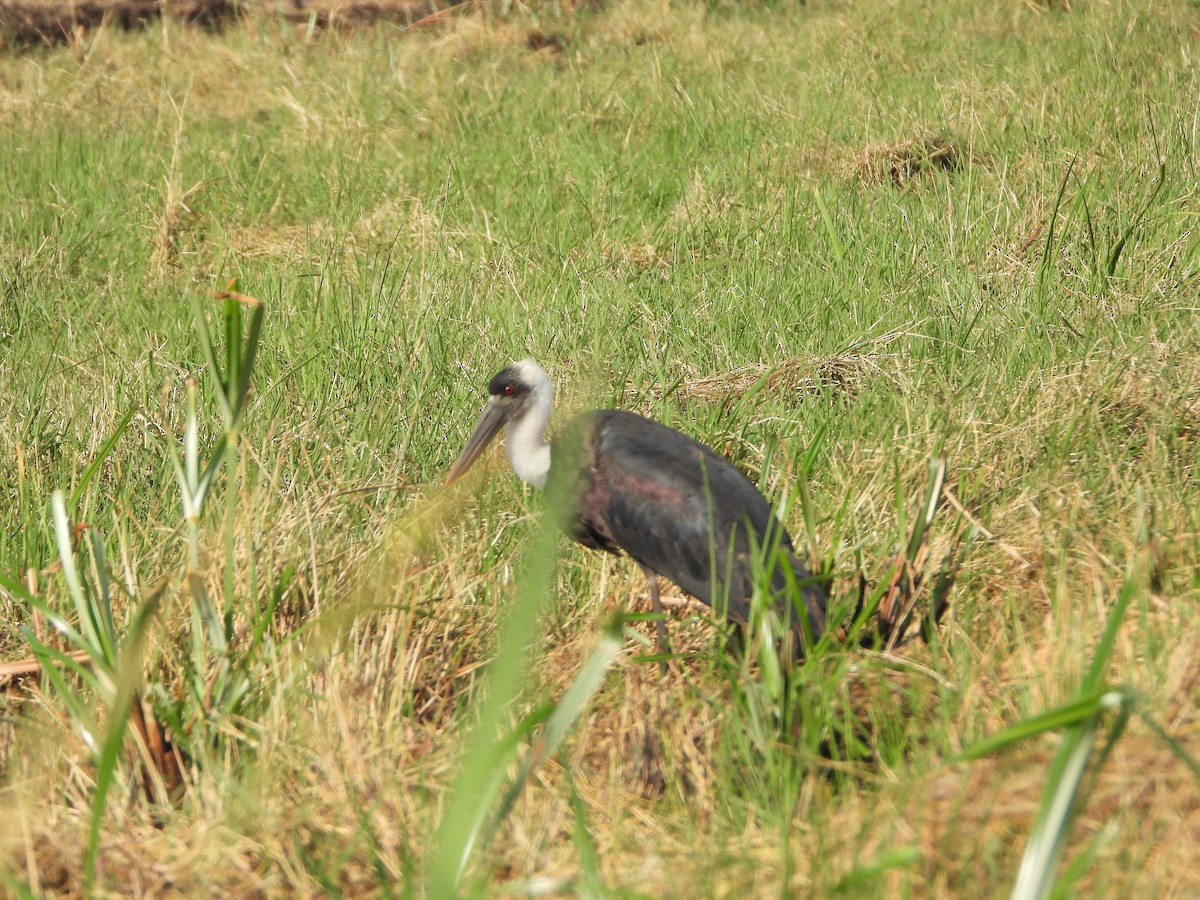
[(660, 623)]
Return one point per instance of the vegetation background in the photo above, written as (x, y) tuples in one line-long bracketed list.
[(831, 240)]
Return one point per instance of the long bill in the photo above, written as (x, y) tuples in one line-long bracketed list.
[(489, 424)]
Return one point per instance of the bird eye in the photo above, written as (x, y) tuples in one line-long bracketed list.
[(509, 390)]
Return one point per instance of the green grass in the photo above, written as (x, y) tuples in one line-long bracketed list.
[(687, 199)]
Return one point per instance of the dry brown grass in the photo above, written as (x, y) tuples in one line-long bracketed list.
[(642, 761), (369, 731), (25, 24), (31, 23), (840, 372), (387, 630), (902, 162)]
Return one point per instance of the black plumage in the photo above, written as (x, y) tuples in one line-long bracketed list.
[(618, 481)]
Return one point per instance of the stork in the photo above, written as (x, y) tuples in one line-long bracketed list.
[(619, 481)]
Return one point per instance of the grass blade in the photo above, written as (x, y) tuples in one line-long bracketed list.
[(101, 455), (591, 882), (66, 557), (128, 679), (1036, 874), (1114, 257), (831, 235), (53, 662), (1100, 658), (220, 388), (253, 337), (1035, 878), (1080, 710), (569, 708), (1180, 751), (1049, 248), (486, 757)]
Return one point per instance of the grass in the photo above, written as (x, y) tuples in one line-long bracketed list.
[(831, 241)]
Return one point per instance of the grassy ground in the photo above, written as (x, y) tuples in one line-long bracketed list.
[(944, 229)]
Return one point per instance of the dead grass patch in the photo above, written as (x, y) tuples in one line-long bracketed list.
[(548, 41), (46, 23), (637, 22), (641, 258), (284, 241), (352, 13), (904, 162), (24, 25), (702, 205), (842, 372), (404, 220)]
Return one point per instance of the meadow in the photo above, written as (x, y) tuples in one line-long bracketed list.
[(253, 283)]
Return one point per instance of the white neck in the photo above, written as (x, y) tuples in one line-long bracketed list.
[(527, 449)]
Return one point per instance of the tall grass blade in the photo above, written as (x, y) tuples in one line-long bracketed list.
[(1114, 257), (1080, 710), (193, 496), (831, 234), (1181, 752), (207, 611), (933, 494), (1065, 886), (1035, 877), (567, 711), (128, 680), (574, 701), (206, 478), (808, 509), (487, 750), (220, 385), (1050, 247), (253, 337), (939, 599), (61, 625), (66, 557), (101, 455), (591, 882), (53, 663), (1104, 648), (100, 600)]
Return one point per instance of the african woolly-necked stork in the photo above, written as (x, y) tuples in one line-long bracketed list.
[(620, 481)]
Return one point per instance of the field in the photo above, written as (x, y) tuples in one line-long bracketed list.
[(257, 649)]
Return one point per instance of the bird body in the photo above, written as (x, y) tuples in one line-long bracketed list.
[(618, 481)]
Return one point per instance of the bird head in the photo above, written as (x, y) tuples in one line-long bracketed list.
[(513, 393)]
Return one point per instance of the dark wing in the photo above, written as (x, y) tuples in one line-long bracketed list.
[(676, 507)]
